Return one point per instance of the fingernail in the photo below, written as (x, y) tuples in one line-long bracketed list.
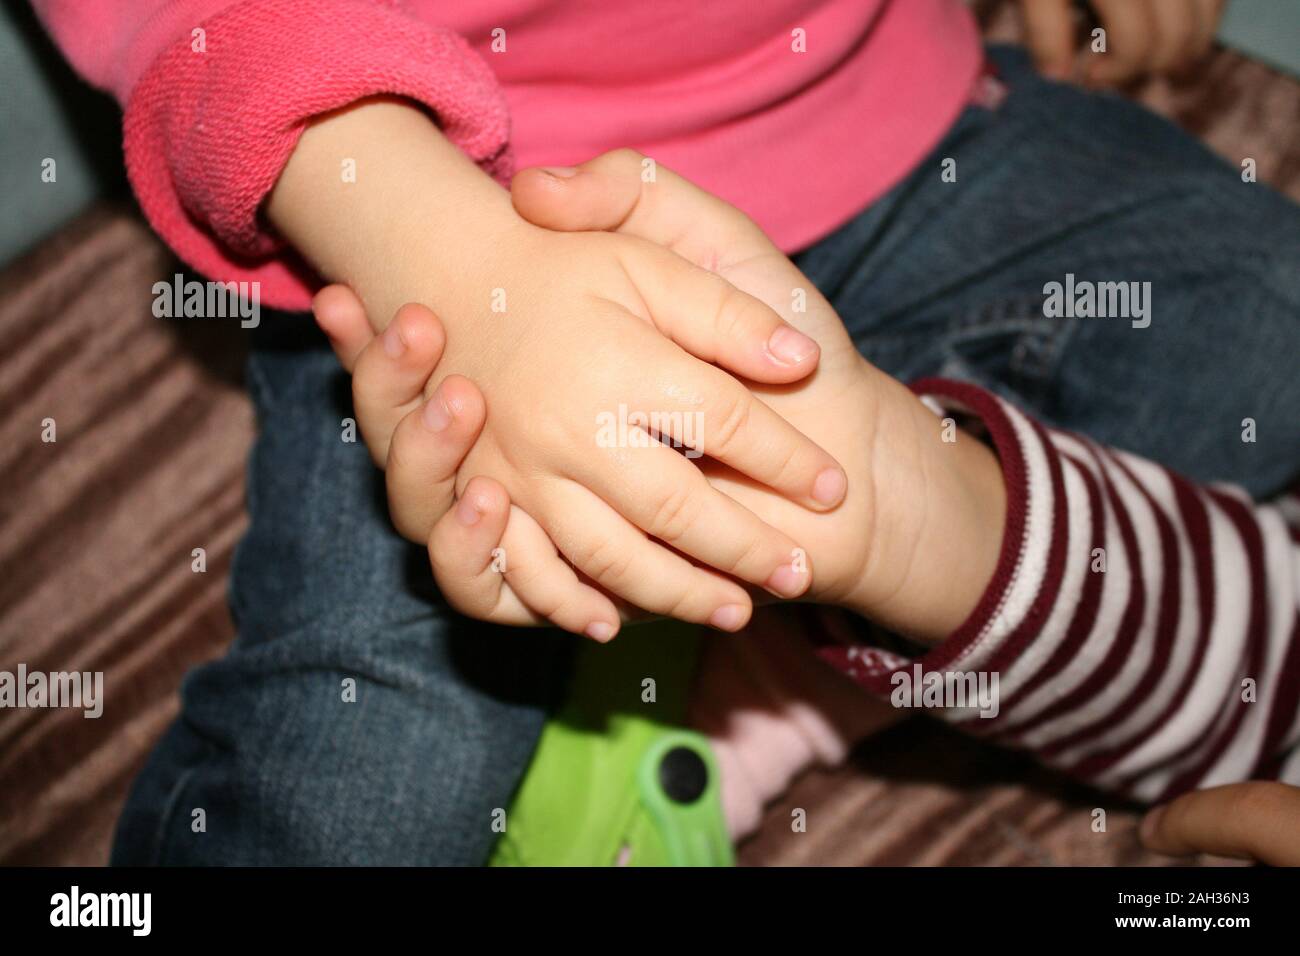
[(829, 486), (787, 582), (394, 344), (790, 346), (559, 172), (436, 414), (599, 631), (466, 513), (729, 617), (1147, 830)]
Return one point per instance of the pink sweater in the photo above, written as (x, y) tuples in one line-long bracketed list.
[(717, 91)]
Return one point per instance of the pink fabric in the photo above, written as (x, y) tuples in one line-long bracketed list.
[(772, 709), (799, 140)]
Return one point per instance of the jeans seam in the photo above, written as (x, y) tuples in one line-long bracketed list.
[(168, 813)]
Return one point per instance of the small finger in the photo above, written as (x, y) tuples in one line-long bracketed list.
[(617, 556), (463, 551), (342, 317), (548, 585), (713, 320), (425, 453), (732, 425), (614, 193), (392, 372), (670, 499)]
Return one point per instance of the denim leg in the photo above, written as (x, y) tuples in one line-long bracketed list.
[(948, 278), (287, 765)]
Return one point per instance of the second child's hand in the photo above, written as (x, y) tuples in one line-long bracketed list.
[(1143, 37), (917, 538), (1255, 820)]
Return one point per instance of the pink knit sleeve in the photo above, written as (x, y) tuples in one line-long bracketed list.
[(217, 93)]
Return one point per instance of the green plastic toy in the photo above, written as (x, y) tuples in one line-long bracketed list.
[(616, 781)]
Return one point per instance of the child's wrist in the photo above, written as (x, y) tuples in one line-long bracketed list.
[(928, 570), (459, 272), (374, 196)]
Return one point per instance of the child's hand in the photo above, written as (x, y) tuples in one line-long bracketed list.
[(571, 362), (1142, 36), (596, 331), (920, 564), (492, 561), (1257, 820), (917, 537), (574, 341)]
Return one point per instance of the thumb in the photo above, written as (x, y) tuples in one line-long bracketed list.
[(624, 191), (592, 197)]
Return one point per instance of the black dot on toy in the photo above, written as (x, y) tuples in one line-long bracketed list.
[(683, 775)]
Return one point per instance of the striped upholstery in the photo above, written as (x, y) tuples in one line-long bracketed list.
[(96, 528)]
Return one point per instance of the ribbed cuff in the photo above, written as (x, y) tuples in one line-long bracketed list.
[(207, 132)]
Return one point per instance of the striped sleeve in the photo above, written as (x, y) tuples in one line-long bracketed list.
[(1140, 632)]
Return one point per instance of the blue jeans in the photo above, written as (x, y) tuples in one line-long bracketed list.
[(948, 278), (935, 278)]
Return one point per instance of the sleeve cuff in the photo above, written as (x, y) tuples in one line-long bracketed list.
[(996, 620), (207, 133)]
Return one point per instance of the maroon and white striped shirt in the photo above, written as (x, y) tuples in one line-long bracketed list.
[(1145, 631)]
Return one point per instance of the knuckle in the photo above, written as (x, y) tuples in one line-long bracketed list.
[(751, 555), (674, 514), (465, 594), (407, 524), (558, 609), (732, 314), (606, 563), (785, 467), (731, 418), (405, 519), (398, 459), (523, 578), (625, 156), (366, 376), (685, 606)]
